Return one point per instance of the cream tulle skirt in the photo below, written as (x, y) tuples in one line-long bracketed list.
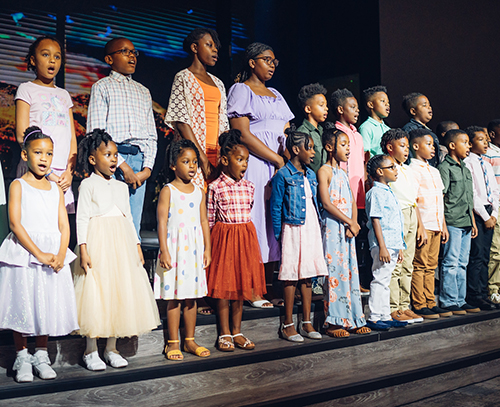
[(114, 299)]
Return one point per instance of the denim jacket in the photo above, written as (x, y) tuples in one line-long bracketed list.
[(288, 198)]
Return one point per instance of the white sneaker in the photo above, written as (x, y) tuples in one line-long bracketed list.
[(94, 362), (495, 298), (23, 367), (115, 359), (41, 363)]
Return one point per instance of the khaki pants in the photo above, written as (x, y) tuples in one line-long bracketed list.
[(494, 263), (400, 284), (424, 266)]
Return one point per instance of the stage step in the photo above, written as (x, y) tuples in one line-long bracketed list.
[(276, 370)]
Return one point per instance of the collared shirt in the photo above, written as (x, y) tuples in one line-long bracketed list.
[(480, 194), (372, 131), (229, 201), (404, 188), (355, 165), (458, 193), (381, 203), (493, 157), (412, 125), (315, 133), (124, 108), (429, 194)]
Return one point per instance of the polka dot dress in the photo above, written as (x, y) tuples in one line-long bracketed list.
[(187, 278)]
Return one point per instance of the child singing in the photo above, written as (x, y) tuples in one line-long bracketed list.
[(35, 279), (295, 216)]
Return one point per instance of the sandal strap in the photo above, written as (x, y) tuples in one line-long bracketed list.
[(306, 322), (288, 325), (189, 339), (234, 336), (226, 336), (173, 341)]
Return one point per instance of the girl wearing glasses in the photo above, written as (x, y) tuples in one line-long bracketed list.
[(262, 115)]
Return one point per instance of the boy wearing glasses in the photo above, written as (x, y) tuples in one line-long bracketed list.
[(124, 108)]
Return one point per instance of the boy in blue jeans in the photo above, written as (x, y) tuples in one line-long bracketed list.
[(459, 215), (124, 108)]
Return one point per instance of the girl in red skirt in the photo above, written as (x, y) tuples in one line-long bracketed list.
[(237, 270)]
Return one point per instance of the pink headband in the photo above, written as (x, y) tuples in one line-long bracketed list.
[(29, 134)]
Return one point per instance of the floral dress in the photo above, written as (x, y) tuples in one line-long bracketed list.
[(342, 297)]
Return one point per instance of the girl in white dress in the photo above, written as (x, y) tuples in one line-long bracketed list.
[(36, 289), (113, 294), (185, 250)]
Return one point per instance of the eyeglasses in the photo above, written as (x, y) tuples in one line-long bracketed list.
[(391, 167), (126, 52), (269, 61)]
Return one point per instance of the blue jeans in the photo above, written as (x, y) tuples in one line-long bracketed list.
[(136, 195), (454, 267)]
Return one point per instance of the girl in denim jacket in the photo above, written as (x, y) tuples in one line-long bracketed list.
[(295, 216)]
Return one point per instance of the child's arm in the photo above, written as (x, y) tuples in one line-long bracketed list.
[(276, 203), (421, 233), (22, 120), (445, 235), (384, 255), (474, 228), (82, 222), (163, 209), (207, 254), (66, 177), (58, 262), (211, 206), (15, 195)]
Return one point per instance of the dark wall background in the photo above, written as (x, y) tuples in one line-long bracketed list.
[(446, 49)]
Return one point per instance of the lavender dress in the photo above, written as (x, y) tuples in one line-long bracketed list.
[(268, 117)]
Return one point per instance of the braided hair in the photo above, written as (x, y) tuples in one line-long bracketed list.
[(296, 138), (252, 52), (374, 164), (172, 154), (330, 135), (33, 133), (88, 146), (228, 140)]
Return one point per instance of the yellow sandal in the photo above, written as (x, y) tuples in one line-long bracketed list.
[(175, 352), (198, 351)]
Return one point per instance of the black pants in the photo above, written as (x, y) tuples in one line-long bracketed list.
[(363, 251), (477, 270)]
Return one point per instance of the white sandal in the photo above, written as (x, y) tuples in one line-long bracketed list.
[(248, 345), (224, 345), (292, 338), (310, 335)]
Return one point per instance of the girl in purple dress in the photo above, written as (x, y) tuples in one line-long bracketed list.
[(262, 115)]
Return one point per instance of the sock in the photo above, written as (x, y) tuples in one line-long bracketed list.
[(22, 353), (111, 345), (91, 346), (37, 349)]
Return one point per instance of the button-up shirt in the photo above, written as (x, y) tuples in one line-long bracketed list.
[(458, 193), (382, 204), (124, 108), (315, 133), (493, 157), (429, 194), (404, 188), (479, 185), (412, 125), (372, 131)]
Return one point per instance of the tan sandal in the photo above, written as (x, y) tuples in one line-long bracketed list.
[(363, 330), (248, 345), (198, 351), (171, 353), (337, 333), (225, 345)]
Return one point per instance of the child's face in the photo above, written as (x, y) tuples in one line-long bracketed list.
[(343, 148), (422, 112), (125, 61), (304, 155), (479, 143), (236, 164), (460, 146), (424, 147), (495, 136), (350, 110), (186, 165), (388, 171), (38, 155), (380, 105), (206, 50), (105, 159), (399, 149), (262, 66), (47, 59), (317, 108)]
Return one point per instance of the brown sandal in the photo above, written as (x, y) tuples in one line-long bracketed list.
[(361, 330), (337, 333)]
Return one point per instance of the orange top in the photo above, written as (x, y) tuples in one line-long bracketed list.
[(212, 103)]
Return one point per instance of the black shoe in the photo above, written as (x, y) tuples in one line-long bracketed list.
[(455, 310), (426, 313), (470, 308), (482, 305), (497, 306), (442, 312)]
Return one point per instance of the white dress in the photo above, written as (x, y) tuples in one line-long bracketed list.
[(35, 300), (187, 277)]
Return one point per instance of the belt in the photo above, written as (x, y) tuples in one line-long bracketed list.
[(128, 149)]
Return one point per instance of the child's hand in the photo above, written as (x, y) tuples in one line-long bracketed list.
[(421, 237), (445, 235), (165, 260), (144, 175), (400, 256), (53, 177), (46, 258), (207, 258), (490, 223), (355, 228), (58, 262), (141, 256), (130, 176), (65, 180), (348, 233), (85, 262), (384, 255), (474, 231)]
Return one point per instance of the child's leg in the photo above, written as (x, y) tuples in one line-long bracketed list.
[(173, 321), (494, 263), (380, 295), (20, 341), (289, 291), (306, 292), (420, 262), (189, 314), (448, 295), (41, 342), (91, 346), (434, 243), (406, 267), (462, 267), (111, 345), (239, 339), (41, 361), (22, 364), (224, 342)]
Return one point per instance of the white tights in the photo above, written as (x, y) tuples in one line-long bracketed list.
[(92, 345)]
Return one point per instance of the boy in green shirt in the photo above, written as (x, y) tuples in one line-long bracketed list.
[(312, 100)]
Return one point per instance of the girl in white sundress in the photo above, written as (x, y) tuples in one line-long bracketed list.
[(185, 250), (36, 289)]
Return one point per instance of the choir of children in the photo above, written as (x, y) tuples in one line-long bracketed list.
[(446, 196)]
